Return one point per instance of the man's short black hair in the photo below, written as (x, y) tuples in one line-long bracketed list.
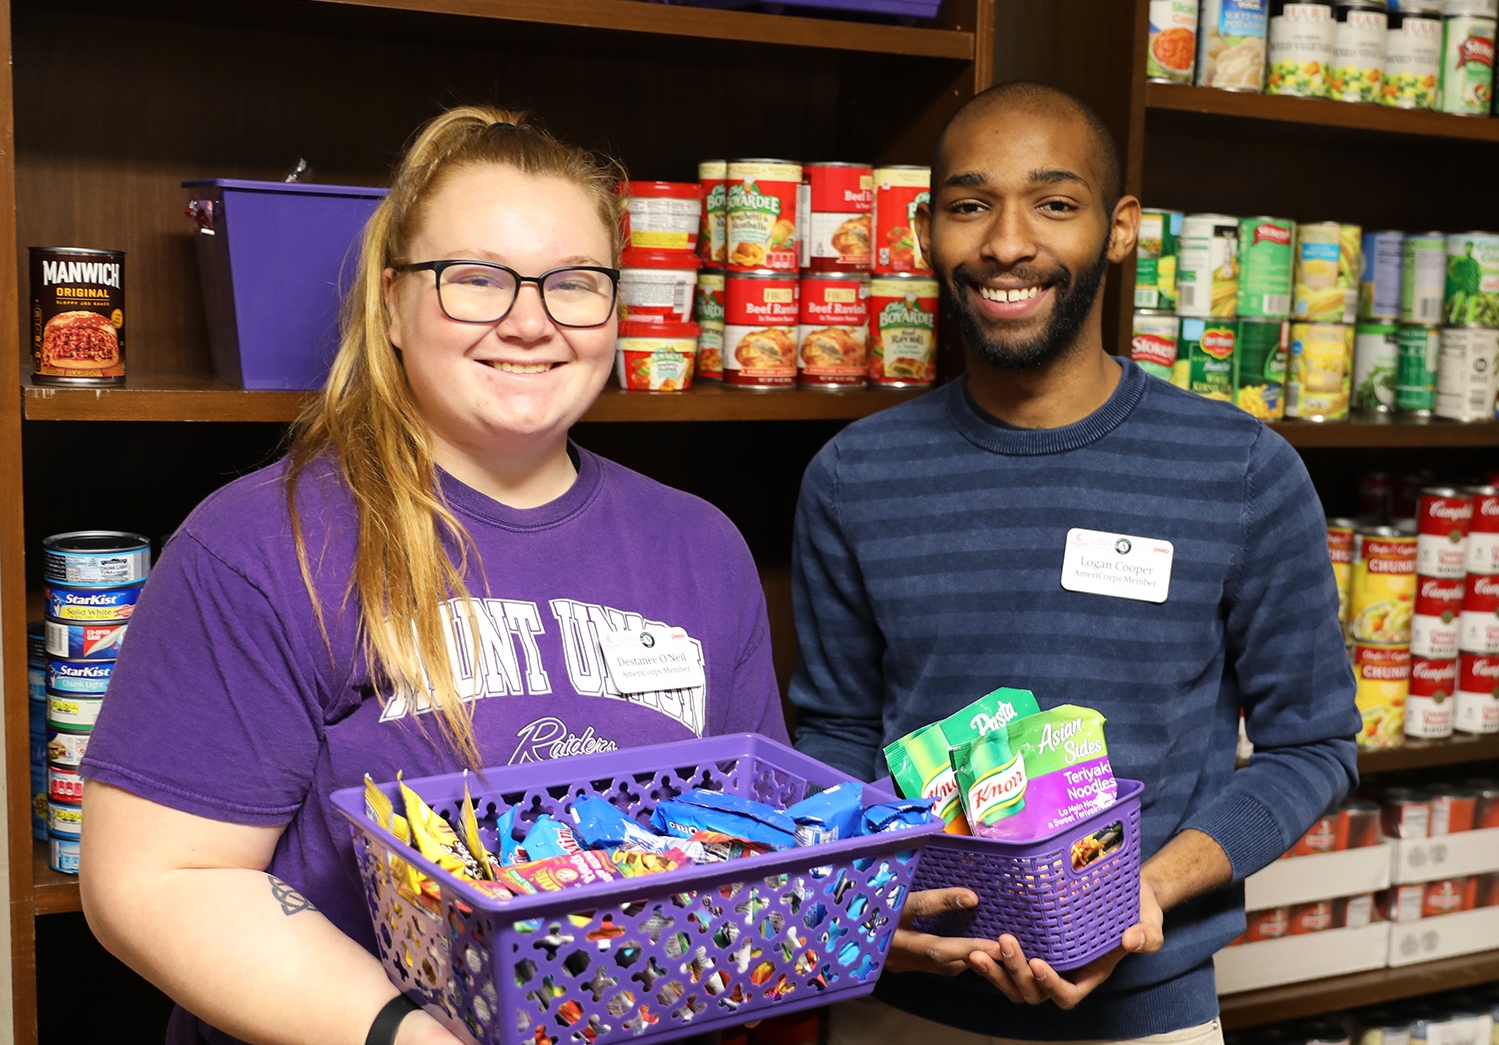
[(1043, 100)]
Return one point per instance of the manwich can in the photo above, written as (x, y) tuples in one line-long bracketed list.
[(833, 331), (760, 215), (837, 203), (902, 331), (77, 316), (759, 333)]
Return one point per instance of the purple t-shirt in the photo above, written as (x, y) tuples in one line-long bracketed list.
[(227, 703)]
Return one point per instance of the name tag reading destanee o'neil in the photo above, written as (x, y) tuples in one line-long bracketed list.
[(651, 659), (1117, 564)]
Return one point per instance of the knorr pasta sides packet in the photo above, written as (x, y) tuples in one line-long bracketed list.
[(991, 781)]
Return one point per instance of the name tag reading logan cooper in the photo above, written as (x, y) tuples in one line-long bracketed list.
[(1117, 564), (651, 659)]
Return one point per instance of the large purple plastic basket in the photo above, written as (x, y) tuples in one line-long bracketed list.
[(1064, 914), (272, 273), (658, 957)]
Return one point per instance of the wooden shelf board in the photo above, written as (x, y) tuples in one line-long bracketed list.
[(1418, 754), (54, 893), (1315, 997), (1319, 112), (702, 23), (150, 397), (1395, 432)]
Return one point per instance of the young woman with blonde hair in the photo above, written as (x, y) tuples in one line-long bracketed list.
[(420, 584)]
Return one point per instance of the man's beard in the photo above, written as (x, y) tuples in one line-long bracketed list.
[(1074, 300)]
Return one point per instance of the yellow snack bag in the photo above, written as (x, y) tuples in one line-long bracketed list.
[(435, 838), (470, 825)]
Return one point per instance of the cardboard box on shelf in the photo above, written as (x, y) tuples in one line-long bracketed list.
[(1324, 876), (1426, 939), (1292, 959), (1444, 856)]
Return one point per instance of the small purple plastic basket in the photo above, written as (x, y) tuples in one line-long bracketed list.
[(1065, 914), (658, 957)]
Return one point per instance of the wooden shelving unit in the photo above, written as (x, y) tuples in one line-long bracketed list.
[(1460, 749)]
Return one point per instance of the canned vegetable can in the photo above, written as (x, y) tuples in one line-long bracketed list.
[(1265, 267), (1379, 275), (1172, 54), (1321, 371), (1153, 344), (1157, 251), (1471, 295), (1376, 352), (1231, 45), (1320, 293), (1359, 48), (1260, 367), (1413, 56), (1467, 81), (1416, 370), (1210, 349), (1423, 278), (1208, 268), (1466, 373), (1301, 42)]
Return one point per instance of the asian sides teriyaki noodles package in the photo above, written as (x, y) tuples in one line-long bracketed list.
[(1041, 773)]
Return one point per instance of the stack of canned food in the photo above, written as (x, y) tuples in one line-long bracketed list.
[(658, 342), (92, 581), (1420, 602), (1467, 1017), (1431, 810), (36, 704), (1407, 54), (813, 276), (1313, 320)]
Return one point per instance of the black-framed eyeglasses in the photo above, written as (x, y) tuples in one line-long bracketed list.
[(483, 292)]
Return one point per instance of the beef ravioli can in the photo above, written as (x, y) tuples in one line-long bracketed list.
[(77, 316)]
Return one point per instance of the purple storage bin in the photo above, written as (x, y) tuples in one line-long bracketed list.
[(1063, 914), (274, 258), (656, 958)]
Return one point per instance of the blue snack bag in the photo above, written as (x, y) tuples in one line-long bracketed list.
[(829, 815), (550, 837), (507, 849), (896, 816), (700, 810)]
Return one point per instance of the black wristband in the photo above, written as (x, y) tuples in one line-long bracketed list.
[(388, 1020)]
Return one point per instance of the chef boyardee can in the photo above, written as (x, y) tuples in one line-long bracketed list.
[(1265, 267), (96, 558), (1416, 370), (1152, 344), (1156, 254), (1423, 278), (1260, 367), (1376, 351), (77, 316)]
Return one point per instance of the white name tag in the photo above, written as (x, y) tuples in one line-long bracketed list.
[(1117, 564), (651, 659)]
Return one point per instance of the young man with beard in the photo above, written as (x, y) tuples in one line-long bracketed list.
[(963, 541)]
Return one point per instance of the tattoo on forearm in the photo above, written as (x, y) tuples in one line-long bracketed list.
[(291, 901)]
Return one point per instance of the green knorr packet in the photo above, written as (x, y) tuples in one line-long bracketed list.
[(920, 764), (991, 781)]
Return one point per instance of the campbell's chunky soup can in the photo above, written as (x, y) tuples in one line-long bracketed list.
[(1443, 517), (1436, 621), (759, 333), (1483, 530), (1340, 551), (898, 192), (77, 316), (708, 313), (1429, 705), (1382, 678), (1477, 709), (1172, 54), (712, 245), (1382, 592), (902, 331), (837, 206), (663, 215), (760, 215), (834, 330)]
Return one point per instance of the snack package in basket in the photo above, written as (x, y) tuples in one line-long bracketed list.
[(829, 815), (488, 865), (435, 839), (702, 810), (920, 762), (550, 837), (896, 816)]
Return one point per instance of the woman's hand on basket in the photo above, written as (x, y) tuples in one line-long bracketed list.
[(913, 951), (1033, 981)]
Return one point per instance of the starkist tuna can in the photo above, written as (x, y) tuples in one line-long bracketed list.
[(86, 678), (833, 331), (72, 712), (64, 784), (836, 209), (84, 641), (77, 316), (64, 819), (62, 854), (69, 603), (760, 215), (760, 324), (96, 558)]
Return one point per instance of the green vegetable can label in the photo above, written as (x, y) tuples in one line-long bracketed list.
[(1418, 350), (1376, 352), (1300, 50), (1359, 52), (1266, 258), (1153, 343), (1471, 298), (1209, 347), (1156, 254), (1423, 276), (1260, 367), (1467, 85)]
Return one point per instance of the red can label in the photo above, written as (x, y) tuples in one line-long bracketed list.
[(759, 333), (898, 191), (1477, 709), (760, 215), (64, 784), (1440, 596), (1329, 834), (902, 331), (712, 244), (1429, 708), (1479, 623), (1447, 896), (1442, 535), (1269, 924), (835, 221), (1311, 917), (833, 333), (1485, 517), (708, 313)]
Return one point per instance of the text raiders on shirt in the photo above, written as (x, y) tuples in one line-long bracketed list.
[(508, 661)]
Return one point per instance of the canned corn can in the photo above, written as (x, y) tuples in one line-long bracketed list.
[(1413, 58), (1157, 252), (1208, 266), (1152, 343), (1210, 347), (760, 215), (1376, 352), (62, 854), (759, 334), (1483, 531), (1260, 367), (1300, 49), (1423, 278), (1382, 591), (712, 244), (1478, 627), (1466, 372), (70, 603), (96, 557), (836, 202), (64, 784), (1172, 54), (1320, 377), (1382, 678), (1437, 619), (84, 641), (77, 316), (1359, 45), (72, 712), (65, 819), (1418, 350), (1340, 551), (1430, 702), (899, 191), (1320, 291), (1467, 82), (1471, 294), (1444, 514), (1231, 44), (1266, 263), (902, 331), (1379, 275), (833, 331), (708, 313)]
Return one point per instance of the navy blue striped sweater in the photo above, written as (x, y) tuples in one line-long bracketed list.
[(927, 571)]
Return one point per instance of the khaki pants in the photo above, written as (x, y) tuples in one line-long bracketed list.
[(871, 1022)]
